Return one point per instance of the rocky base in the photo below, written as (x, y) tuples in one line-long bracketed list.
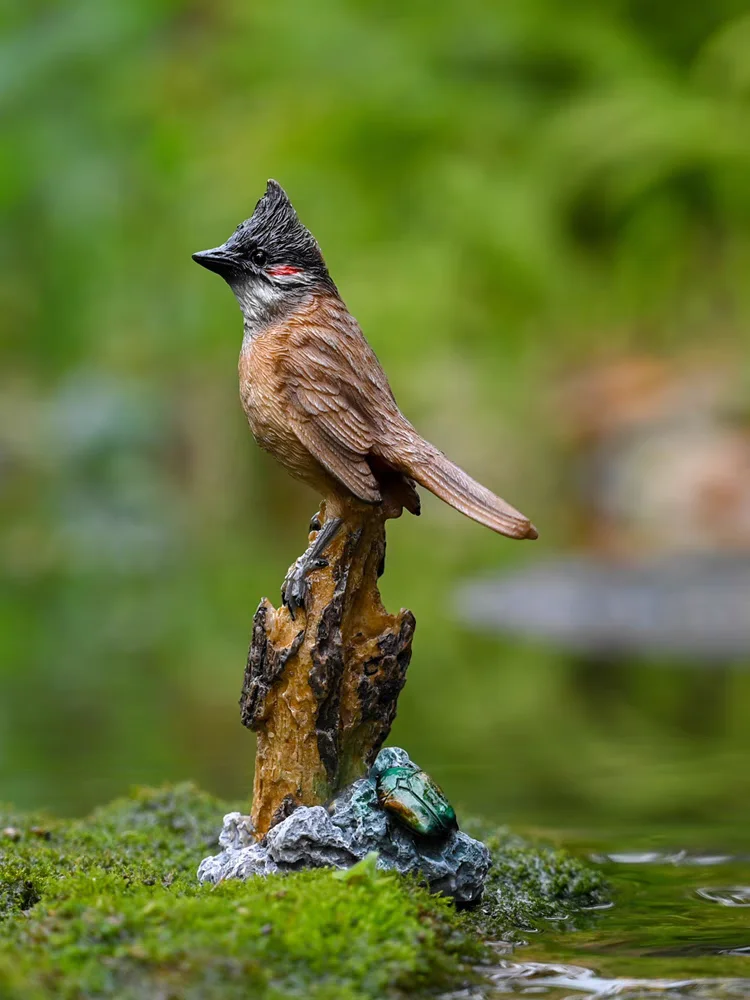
[(342, 834)]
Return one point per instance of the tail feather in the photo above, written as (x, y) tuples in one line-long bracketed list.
[(431, 469)]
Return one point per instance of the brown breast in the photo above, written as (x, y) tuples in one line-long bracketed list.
[(265, 400), (313, 378), (260, 391)]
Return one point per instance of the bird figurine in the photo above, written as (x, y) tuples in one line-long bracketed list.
[(316, 396)]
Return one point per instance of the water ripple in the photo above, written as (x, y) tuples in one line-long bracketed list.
[(737, 895), (664, 858), (522, 979)]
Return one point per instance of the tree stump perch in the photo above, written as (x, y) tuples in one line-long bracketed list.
[(321, 688)]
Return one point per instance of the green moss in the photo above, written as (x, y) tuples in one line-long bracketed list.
[(532, 884), (109, 906)]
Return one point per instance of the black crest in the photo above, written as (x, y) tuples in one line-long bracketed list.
[(274, 227)]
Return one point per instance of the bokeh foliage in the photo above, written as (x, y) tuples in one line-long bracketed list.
[(502, 191)]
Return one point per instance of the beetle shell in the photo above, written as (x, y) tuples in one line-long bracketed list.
[(416, 801)]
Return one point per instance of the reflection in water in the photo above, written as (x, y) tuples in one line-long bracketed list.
[(735, 896), (528, 978), (663, 858), (658, 939)]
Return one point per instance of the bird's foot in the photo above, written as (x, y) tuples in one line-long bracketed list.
[(295, 589)]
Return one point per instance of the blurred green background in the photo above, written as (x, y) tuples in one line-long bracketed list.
[(505, 193)]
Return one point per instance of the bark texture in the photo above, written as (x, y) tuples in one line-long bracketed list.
[(321, 689)]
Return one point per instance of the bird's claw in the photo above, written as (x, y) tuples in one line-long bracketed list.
[(296, 586), (295, 589)]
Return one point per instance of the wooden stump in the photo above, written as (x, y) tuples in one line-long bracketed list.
[(321, 689)]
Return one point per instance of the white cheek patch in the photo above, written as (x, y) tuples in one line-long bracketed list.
[(259, 302)]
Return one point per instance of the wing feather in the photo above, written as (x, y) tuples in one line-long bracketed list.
[(329, 412), (349, 468)]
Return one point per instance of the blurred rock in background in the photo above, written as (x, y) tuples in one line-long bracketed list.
[(658, 465)]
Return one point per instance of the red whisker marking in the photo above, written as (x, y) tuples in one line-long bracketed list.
[(283, 269)]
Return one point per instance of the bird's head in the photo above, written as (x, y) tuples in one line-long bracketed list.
[(271, 261)]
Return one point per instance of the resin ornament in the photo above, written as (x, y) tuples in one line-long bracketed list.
[(354, 824), (325, 668), (411, 795)]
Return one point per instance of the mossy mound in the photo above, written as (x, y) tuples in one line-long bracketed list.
[(109, 906), (531, 884)]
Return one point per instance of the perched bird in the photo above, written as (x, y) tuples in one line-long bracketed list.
[(315, 394)]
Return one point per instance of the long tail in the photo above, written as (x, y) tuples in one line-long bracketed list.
[(431, 469)]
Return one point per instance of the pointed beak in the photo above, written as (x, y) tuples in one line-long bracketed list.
[(220, 259)]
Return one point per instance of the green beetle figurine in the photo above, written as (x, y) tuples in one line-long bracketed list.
[(410, 795)]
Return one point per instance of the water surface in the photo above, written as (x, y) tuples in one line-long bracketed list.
[(678, 926)]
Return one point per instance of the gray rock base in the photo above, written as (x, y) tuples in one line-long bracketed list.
[(339, 836)]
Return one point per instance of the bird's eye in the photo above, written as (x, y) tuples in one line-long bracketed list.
[(259, 258)]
